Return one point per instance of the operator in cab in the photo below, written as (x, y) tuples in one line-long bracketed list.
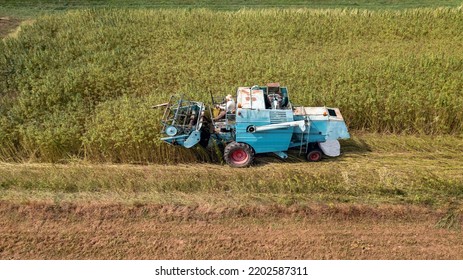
[(228, 107)]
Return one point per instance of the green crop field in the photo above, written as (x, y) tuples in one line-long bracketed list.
[(80, 84), (33, 8)]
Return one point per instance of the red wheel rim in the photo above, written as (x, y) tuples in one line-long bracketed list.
[(239, 156), (314, 156)]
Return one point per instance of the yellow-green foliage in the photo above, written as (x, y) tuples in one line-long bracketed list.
[(79, 83), (127, 130)]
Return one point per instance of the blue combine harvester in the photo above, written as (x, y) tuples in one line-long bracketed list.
[(262, 121)]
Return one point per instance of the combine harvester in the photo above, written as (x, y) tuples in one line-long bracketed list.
[(264, 121)]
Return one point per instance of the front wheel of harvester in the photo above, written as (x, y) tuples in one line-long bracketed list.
[(314, 155), (238, 154)]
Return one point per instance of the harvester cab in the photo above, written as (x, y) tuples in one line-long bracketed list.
[(263, 121)]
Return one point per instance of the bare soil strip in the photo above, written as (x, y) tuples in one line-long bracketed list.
[(98, 231), (7, 25)]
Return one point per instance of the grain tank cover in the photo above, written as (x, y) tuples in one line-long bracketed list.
[(250, 98)]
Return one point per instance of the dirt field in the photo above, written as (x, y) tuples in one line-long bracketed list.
[(68, 231), (7, 25)]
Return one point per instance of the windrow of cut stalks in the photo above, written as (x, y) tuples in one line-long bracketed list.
[(80, 84)]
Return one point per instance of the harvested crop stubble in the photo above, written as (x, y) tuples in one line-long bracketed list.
[(79, 84), (375, 169)]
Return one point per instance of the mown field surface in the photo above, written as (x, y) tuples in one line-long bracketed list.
[(385, 198), (84, 175), (374, 169)]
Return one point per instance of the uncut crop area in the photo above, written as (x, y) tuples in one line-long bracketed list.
[(81, 83)]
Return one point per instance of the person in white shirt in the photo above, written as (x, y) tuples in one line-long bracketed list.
[(228, 107)]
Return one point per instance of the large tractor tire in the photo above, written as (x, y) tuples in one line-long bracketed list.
[(314, 155), (238, 154)]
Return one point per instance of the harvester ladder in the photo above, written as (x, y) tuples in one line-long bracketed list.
[(304, 147), (306, 131)]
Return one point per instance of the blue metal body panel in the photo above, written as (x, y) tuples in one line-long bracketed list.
[(176, 140), (320, 130), (337, 130), (265, 141)]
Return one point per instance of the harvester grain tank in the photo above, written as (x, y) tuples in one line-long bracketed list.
[(264, 121)]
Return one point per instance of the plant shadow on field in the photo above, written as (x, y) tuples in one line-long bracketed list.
[(351, 146)]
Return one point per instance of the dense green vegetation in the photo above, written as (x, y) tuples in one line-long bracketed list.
[(32, 8), (81, 83)]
